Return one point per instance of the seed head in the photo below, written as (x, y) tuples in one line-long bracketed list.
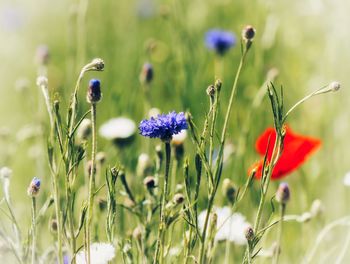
[(228, 189), (178, 198), (147, 73), (249, 233)]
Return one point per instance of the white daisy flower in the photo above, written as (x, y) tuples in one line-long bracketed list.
[(100, 253), (179, 139), (230, 226), (120, 128), (346, 179)]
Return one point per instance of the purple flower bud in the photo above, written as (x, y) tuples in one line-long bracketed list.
[(283, 193), (147, 73), (34, 187), (94, 91)]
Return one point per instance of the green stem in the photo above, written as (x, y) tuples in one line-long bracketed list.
[(279, 235), (161, 229), (58, 219), (33, 229), (91, 183)]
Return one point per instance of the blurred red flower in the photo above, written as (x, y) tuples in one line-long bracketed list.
[(297, 148)]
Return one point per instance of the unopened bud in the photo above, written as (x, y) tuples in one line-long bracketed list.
[(229, 190), (249, 233), (42, 81), (334, 86), (149, 182), (146, 75), (178, 198), (317, 208), (137, 233), (94, 91), (211, 90), (102, 203), (53, 225), (283, 193), (248, 33), (34, 187), (42, 55), (84, 130), (144, 165), (218, 84), (101, 158)]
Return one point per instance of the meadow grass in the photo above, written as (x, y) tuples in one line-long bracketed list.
[(301, 47)]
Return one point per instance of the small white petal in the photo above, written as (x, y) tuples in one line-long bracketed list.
[(100, 253), (346, 179), (118, 128)]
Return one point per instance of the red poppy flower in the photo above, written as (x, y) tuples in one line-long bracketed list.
[(297, 148)]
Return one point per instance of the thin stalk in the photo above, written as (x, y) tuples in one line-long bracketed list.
[(91, 183), (219, 159), (161, 229), (212, 128), (279, 236), (33, 229), (58, 219)]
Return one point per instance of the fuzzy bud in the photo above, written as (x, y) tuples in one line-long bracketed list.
[(146, 75), (334, 86), (229, 191), (137, 233), (248, 33), (53, 225), (42, 55), (218, 84), (42, 81), (144, 165), (317, 208), (94, 91), (211, 90), (34, 187), (178, 198), (102, 203), (283, 193), (84, 130), (100, 158), (249, 233), (149, 182)]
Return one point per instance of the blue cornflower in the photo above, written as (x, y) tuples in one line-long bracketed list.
[(220, 41), (34, 187), (163, 126)]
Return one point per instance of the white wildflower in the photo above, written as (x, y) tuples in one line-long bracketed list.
[(346, 179), (179, 139), (118, 128), (100, 253), (230, 226), (5, 175)]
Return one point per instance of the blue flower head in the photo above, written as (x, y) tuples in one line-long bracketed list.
[(34, 187), (220, 41), (163, 126), (94, 91)]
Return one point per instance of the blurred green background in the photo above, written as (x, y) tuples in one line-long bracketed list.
[(306, 41)]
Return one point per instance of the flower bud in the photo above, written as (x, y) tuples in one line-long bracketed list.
[(146, 75), (84, 130), (42, 81), (334, 86), (149, 182), (42, 55), (98, 64), (317, 208), (137, 233), (34, 187), (88, 168), (101, 158), (102, 203), (53, 225), (178, 198), (94, 91), (283, 193), (228, 189), (211, 90), (248, 33), (218, 84), (249, 233), (144, 165)]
